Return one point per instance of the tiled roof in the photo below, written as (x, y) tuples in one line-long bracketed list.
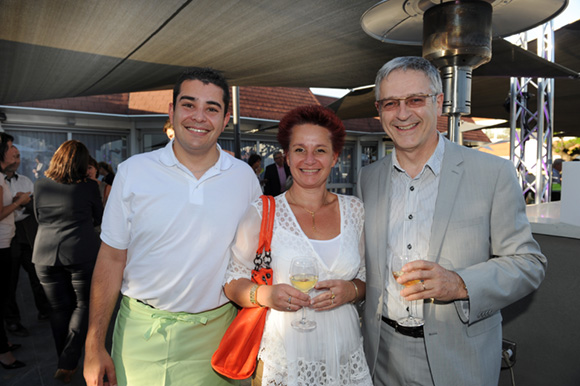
[(255, 102), (272, 102), (150, 102)]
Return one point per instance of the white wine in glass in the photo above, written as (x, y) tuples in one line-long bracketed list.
[(304, 276), (397, 263)]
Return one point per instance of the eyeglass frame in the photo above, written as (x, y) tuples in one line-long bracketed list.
[(379, 102)]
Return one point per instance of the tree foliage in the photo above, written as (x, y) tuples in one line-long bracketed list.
[(568, 150)]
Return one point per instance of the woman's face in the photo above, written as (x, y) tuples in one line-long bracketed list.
[(310, 155), (92, 172), (257, 166)]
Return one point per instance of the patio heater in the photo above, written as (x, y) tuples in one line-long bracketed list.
[(456, 37)]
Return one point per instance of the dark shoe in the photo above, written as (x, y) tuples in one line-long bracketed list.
[(17, 329), (14, 346), (13, 365), (64, 376)]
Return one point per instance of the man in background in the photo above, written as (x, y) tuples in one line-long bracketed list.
[(21, 249), (276, 176)]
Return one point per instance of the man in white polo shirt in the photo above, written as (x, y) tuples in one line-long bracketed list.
[(169, 221)]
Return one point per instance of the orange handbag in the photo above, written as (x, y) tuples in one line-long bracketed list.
[(236, 355)]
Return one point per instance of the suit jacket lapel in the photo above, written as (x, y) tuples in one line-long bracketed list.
[(451, 173), (382, 212)]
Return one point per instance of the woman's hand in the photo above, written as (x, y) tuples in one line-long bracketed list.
[(282, 297), (337, 293)]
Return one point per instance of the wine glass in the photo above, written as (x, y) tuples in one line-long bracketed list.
[(397, 263), (304, 276)]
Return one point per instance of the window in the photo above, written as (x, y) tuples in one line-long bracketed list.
[(108, 148), (38, 147), (36, 150)]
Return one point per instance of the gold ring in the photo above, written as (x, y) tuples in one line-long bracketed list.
[(333, 295), (423, 284), (290, 300), (288, 308)]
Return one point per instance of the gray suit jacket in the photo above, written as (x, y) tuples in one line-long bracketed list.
[(480, 230)]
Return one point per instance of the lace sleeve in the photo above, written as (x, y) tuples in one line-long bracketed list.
[(244, 247)]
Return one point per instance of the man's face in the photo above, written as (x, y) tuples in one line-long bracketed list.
[(411, 129), (198, 118), (12, 154), (279, 159)]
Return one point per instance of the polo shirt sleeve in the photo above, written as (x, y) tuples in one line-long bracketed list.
[(116, 226), (244, 246)]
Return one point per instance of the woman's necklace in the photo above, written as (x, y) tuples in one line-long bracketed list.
[(312, 213)]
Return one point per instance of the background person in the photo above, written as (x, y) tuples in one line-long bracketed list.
[(255, 162), (67, 206), (107, 172), (40, 167), (168, 130), (276, 175), (462, 212), (93, 174), (21, 249), (309, 221), (170, 219), (8, 205)]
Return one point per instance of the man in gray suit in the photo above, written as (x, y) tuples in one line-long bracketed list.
[(462, 213)]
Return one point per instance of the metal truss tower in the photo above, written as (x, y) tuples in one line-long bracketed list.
[(533, 122)]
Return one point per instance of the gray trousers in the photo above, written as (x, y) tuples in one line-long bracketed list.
[(402, 360)]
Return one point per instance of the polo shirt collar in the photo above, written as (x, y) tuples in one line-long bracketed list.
[(168, 158)]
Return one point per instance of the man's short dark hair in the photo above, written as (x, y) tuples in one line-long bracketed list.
[(4, 139), (205, 75)]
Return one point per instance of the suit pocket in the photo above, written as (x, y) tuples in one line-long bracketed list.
[(484, 325)]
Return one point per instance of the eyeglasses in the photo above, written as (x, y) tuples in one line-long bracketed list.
[(413, 102)]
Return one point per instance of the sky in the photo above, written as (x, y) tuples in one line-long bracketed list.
[(570, 15)]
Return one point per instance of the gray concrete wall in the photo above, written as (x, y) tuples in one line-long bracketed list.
[(545, 324)]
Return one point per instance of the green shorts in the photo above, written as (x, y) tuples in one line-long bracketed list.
[(161, 348)]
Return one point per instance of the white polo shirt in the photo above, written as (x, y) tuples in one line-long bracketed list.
[(7, 227), (177, 229), (20, 183)]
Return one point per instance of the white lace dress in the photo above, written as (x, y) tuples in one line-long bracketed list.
[(332, 353)]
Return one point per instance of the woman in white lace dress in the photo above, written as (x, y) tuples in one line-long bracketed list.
[(309, 221)]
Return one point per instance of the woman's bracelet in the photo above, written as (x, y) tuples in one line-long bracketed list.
[(254, 295), (355, 290)]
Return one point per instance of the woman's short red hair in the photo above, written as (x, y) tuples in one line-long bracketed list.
[(315, 115)]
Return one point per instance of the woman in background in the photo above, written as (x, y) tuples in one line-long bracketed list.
[(67, 206), (255, 161), (107, 172), (7, 230), (93, 174)]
